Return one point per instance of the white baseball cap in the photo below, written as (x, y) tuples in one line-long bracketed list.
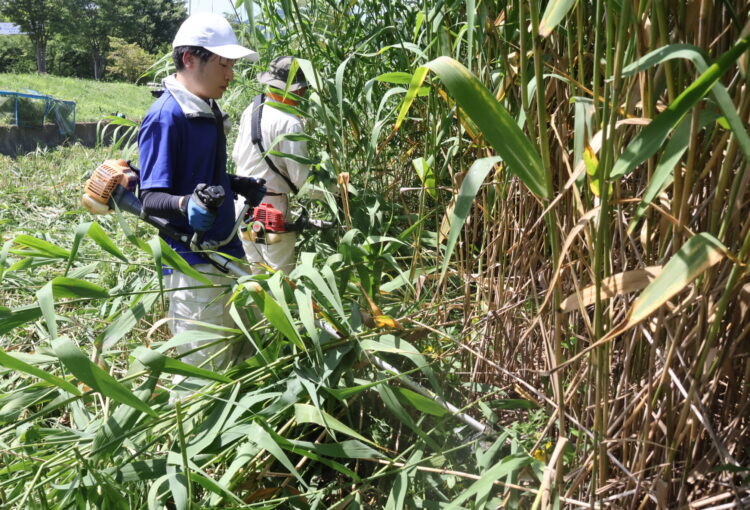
[(213, 32)]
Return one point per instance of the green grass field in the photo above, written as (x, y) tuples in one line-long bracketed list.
[(94, 99)]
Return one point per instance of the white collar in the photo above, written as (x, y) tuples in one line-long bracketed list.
[(192, 106)]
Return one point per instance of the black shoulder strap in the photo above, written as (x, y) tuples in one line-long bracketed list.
[(257, 139)]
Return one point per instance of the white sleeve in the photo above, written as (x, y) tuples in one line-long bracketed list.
[(243, 135)]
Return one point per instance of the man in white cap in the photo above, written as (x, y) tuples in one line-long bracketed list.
[(260, 127), (182, 145)]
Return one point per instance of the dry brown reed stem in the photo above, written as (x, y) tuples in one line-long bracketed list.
[(668, 418), (550, 470)]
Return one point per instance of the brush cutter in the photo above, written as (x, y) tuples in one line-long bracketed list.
[(112, 185)]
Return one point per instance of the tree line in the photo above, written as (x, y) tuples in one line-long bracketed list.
[(82, 34)]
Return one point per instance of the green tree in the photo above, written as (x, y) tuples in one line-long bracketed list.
[(96, 21), (151, 24), (67, 56), (127, 61), (148, 23), (40, 19)]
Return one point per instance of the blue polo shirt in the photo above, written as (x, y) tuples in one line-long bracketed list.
[(177, 152)]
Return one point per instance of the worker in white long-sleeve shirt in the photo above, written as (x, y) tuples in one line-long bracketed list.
[(284, 176)]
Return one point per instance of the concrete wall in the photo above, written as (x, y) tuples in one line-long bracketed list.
[(16, 140)]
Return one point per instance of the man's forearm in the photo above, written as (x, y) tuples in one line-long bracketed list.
[(160, 203)]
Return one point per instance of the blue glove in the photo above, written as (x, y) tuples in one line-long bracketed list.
[(253, 190), (199, 217)]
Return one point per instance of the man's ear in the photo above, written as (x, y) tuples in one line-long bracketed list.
[(188, 60)]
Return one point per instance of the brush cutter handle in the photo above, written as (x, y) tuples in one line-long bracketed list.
[(201, 208), (126, 201), (209, 197), (200, 218)]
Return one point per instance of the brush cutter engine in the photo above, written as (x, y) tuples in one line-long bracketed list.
[(103, 184), (264, 225)]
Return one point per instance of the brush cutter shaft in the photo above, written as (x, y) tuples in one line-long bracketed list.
[(127, 201), (319, 224), (111, 186)]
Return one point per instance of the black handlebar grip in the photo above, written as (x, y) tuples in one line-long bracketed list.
[(210, 196)]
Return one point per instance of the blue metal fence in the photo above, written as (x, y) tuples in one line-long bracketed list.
[(65, 111)]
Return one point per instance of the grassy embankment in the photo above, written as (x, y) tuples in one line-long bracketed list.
[(94, 99)]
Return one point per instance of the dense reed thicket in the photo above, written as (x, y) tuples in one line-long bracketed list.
[(545, 222)]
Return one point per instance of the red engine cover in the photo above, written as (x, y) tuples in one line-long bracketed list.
[(272, 218)]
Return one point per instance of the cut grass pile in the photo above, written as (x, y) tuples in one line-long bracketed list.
[(42, 192), (42, 198), (94, 99)]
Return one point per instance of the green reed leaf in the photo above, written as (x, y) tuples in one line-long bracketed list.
[(11, 362), (278, 317), (699, 59), (63, 286), (554, 13), (264, 440), (495, 123), (90, 374), (120, 424), (648, 141), (10, 319), (507, 465), (126, 321), (160, 363), (390, 399), (46, 300), (469, 189), (664, 171), (426, 175), (422, 403), (40, 247), (99, 236), (416, 83), (305, 413), (399, 78)]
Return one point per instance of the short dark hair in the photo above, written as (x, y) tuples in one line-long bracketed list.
[(202, 53)]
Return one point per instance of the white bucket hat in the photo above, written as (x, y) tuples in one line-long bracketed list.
[(214, 33)]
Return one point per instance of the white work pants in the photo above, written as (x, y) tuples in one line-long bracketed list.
[(187, 306), (280, 255)]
